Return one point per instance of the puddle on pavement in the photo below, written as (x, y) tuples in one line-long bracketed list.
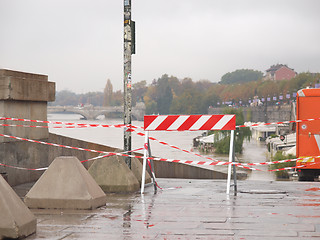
[(263, 191)]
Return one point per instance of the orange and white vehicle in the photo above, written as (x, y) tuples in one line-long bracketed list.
[(308, 133)]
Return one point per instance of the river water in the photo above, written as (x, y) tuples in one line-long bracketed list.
[(254, 151)]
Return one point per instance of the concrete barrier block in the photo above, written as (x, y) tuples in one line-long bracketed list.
[(113, 175), (66, 184), (16, 220)]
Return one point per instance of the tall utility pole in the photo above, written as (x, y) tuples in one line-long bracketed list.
[(128, 50)]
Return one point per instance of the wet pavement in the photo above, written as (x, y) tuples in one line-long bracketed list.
[(193, 209)]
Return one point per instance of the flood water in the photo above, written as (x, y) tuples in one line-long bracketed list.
[(254, 151)]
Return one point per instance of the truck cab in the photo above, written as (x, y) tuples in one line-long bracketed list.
[(308, 133)]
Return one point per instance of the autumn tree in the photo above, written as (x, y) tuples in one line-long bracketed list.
[(139, 90), (108, 92), (149, 100)]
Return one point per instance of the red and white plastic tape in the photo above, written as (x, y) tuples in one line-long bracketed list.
[(277, 123), (68, 124), (199, 163), (172, 146), (133, 128), (61, 124)]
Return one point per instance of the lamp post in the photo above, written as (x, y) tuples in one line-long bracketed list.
[(128, 50)]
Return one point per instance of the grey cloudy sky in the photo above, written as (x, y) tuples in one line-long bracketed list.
[(79, 43)]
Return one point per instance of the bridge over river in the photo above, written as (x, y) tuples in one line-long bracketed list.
[(90, 112)]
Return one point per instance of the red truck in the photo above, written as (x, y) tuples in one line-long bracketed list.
[(308, 133)]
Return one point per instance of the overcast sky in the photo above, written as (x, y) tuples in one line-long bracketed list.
[(79, 43)]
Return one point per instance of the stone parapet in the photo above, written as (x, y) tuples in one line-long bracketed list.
[(18, 74), (24, 95), (25, 86)]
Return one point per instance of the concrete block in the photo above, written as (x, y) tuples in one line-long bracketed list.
[(66, 184), (113, 175), (16, 220)]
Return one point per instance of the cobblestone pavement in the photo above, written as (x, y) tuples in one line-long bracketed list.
[(193, 209)]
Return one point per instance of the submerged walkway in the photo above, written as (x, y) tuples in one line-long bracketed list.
[(193, 209)]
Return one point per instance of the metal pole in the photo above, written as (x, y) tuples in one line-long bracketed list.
[(234, 171), (127, 48), (152, 168), (230, 160), (144, 164)]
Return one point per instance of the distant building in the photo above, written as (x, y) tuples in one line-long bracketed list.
[(279, 72)]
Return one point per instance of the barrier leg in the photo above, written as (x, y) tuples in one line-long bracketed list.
[(152, 168), (234, 175), (145, 152), (230, 160)]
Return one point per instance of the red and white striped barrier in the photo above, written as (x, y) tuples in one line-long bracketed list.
[(189, 122)]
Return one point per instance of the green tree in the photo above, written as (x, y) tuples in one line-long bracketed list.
[(188, 103), (66, 97), (278, 157), (211, 98), (223, 145), (241, 76), (163, 95)]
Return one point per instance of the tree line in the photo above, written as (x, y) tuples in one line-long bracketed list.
[(170, 95)]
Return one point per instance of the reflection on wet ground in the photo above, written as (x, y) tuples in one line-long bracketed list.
[(193, 209), (256, 152)]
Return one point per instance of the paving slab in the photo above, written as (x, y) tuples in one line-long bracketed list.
[(194, 209)]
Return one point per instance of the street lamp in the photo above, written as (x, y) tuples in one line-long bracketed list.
[(128, 50)]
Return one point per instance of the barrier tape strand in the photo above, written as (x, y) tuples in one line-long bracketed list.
[(122, 125)]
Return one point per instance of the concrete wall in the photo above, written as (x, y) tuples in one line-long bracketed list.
[(268, 114), (264, 114), (22, 154), (25, 110)]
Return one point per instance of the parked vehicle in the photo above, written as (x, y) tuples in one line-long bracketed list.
[(308, 133)]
